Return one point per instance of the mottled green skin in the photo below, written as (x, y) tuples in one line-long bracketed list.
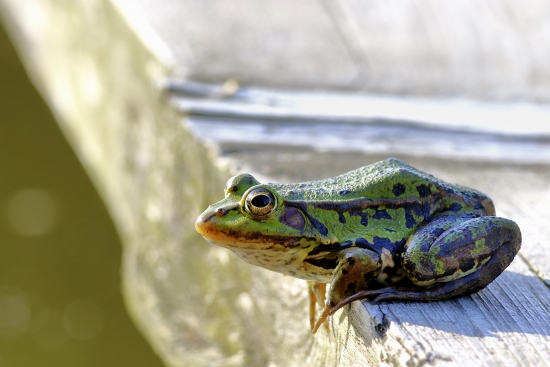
[(387, 224)]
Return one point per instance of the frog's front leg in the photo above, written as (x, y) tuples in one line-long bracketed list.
[(450, 256), (357, 267)]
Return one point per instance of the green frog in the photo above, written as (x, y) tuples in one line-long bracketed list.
[(386, 231)]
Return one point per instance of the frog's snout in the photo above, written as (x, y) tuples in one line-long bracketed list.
[(207, 224), (212, 223), (202, 224)]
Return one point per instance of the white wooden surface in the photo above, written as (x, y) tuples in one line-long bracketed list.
[(100, 70), (489, 49)]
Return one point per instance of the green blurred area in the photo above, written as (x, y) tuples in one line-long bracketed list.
[(60, 300)]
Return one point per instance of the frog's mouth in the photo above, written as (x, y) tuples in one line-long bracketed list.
[(207, 227), (233, 240)]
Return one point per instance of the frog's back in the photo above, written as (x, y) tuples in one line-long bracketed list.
[(388, 179), (385, 179)]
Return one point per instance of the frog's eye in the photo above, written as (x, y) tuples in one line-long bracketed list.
[(260, 202)]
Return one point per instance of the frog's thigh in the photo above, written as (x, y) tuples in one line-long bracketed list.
[(450, 248)]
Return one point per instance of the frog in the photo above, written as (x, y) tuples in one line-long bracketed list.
[(383, 232)]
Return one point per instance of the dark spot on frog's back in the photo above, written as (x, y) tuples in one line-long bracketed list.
[(450, 191), (398, 189), (423, 190), (410, 222), (365, 219), (393, 247), (378, 243), (455, 207), (381, 214), (422, 210), (341, 218), (364, 216), (344, 192)]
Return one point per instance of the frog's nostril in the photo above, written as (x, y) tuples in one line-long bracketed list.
[(220, 212)]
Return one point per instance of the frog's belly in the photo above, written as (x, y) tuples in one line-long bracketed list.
[(285, 262), (292, 263)]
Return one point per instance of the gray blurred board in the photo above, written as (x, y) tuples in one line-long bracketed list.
[(490, 49), (159, 159), (513, 132)]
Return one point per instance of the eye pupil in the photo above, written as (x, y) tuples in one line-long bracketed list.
[(260, 201)]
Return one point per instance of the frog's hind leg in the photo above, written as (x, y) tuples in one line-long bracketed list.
[(448, 248), (451, 256)]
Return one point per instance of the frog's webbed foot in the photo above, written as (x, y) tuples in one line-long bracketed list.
[(365, 294), (329, 310), (438, 291)]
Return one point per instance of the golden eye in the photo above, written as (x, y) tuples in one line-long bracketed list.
[(260, 202)]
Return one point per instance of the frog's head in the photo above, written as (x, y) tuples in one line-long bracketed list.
[(254, 220)]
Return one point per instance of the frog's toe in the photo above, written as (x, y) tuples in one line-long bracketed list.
[(393, 295), (379, 295), (325, 313), (368, 293)]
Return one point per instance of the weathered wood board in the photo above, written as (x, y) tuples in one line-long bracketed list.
[(99, 64), (481, 49)]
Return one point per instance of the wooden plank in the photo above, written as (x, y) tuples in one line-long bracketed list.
[(373, 136), (519, 118), (200, 305), (494, 327)]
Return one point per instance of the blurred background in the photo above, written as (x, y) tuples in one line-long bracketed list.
[(283, 89), (60, 299)]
